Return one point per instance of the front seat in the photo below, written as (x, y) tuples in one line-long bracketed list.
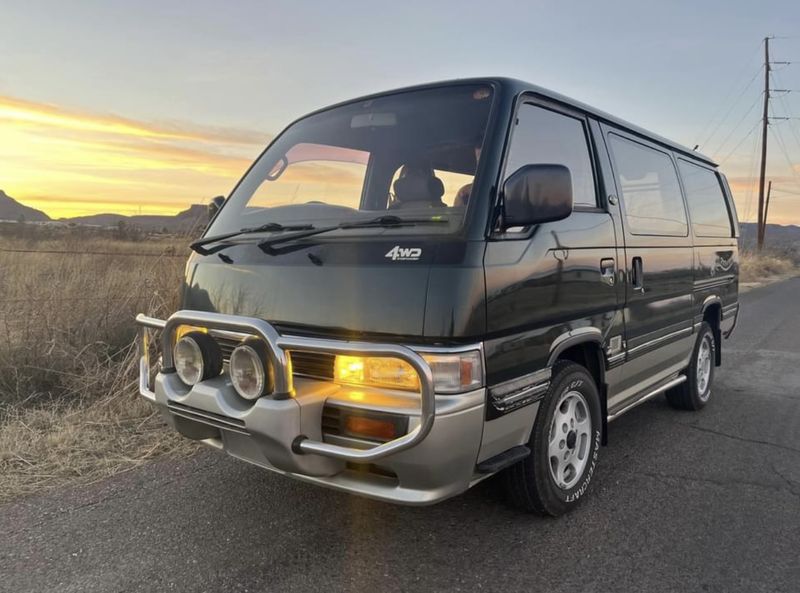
[(417, 187)]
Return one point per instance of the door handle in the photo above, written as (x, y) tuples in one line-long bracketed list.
[(637, 274), (608, 271)]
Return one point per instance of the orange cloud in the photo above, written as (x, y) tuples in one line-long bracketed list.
[(23, 112), (68, 162)]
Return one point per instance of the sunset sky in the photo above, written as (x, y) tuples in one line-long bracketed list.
[(148, 107)]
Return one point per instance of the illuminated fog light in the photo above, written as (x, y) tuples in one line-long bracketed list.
[(197, 357), (249, 370)]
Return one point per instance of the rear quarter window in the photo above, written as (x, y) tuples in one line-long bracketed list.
[(708, 208)]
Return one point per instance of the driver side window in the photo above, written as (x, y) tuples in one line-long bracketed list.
[(543, 136)]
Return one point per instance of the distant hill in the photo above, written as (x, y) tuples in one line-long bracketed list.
[(777, 235), (10, 209), (194, 218)]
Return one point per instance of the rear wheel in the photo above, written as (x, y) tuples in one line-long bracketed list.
[(564, 442), (695, 392)]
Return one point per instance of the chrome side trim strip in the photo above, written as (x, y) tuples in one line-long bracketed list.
[(661, 389), (616, 360), (735, 321), (513, 394), (655, 342), (712, 282)]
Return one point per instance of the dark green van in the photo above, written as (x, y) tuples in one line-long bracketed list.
[(410, 292)]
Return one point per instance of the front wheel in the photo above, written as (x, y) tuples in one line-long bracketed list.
[(565, 442), (695, 392)]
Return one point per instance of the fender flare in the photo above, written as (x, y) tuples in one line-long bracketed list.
[(708, 302), (711, 300), (575, 337)]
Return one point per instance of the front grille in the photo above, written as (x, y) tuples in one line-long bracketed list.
[(226, 345), (331, 420), (209, 418), (313, 364), (308, 364)]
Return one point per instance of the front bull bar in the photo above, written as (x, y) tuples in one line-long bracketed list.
[(278, 347)]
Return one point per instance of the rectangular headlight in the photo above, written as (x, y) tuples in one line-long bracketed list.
[(376, 371), (452, 373)]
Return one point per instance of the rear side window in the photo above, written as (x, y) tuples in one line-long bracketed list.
[(650, 190), (707, 206), (542, 136)]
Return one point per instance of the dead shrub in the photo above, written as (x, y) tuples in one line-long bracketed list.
[(759, 266), (69, 407)]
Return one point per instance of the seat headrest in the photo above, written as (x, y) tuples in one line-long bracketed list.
[(417, 183)]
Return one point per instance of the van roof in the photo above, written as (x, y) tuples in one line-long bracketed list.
[(516, 86)]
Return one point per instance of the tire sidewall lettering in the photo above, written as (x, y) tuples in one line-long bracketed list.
[(580, 490)]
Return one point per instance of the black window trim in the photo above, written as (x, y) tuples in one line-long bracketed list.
[(613, 131), (536, 100)]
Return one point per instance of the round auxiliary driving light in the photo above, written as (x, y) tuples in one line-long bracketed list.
[(250, 369), (197, 358)]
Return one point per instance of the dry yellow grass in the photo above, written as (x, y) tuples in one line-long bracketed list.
[(69, 410), (82, 441), (760, 267)]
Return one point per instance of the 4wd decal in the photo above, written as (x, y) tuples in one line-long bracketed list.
[(404, 253)]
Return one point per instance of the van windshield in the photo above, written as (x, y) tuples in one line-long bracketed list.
[(412, 155)]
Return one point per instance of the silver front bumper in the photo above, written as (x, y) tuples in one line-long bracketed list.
[(283, 431)]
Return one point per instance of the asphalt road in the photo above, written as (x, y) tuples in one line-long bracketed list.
[(682, 501)]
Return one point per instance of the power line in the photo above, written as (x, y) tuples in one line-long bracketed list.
[(782, 145), (728, 95), (751, 171), (730, 109), (735, 148), (788, 112), (736, 127)]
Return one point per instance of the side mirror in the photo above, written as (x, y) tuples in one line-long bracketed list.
[(534, 194), (214, 205)]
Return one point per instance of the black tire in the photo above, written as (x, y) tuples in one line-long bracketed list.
[(530, 483), (693, 394)]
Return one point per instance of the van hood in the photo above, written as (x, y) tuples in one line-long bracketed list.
[(413, 289)]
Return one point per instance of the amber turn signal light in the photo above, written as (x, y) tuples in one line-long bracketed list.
[(373, 428)]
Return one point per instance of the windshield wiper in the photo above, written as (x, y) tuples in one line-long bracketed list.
[(270, 227), (390, 220), (385, 221)]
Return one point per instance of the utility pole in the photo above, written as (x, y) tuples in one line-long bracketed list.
[(766, 210), (765, 125)]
